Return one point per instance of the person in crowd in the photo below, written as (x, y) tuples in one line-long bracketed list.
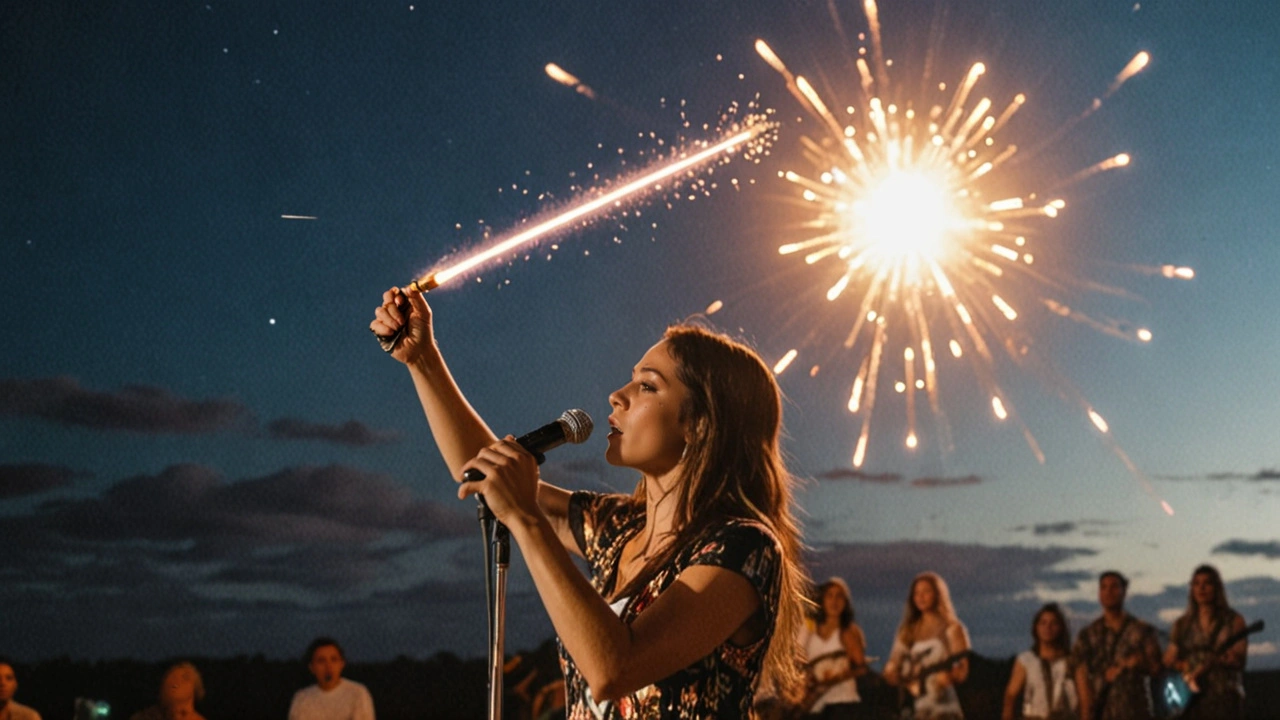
[(180, 689), (835, 652), (695, 580), (11, 709), (1043, 675), (1114, 656), (333, 697), (930, 650), (1208, 647)]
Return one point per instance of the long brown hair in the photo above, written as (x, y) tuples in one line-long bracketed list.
[(733, 469), (1220, 603), (1062, 642), (911, 614)]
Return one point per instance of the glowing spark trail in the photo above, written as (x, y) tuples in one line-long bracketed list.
[(909, 197), (649, 181)]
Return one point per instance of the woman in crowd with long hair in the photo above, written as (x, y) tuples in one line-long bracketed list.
[(930, 650), (835, 653), (695, 577), (1043, 675), (1198, 649)]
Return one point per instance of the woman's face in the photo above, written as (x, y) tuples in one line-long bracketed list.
[(1048, 628), (924, 596), (1203, 591), (8, 682), (833, 601), (645, 430)]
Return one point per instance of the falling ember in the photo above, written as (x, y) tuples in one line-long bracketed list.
[(915, 202), (1098, 421), (714, 307), (785, 362), (562, 76), (998, 408), (751, 134)]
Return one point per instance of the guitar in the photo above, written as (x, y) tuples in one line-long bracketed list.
[(1172, 692), (915, 683), (817, 688)]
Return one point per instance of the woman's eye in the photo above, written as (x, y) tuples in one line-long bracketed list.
[(646, 387)]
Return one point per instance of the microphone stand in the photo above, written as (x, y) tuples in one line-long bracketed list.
[(497, 553)]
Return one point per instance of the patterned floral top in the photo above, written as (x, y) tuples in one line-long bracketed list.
[(1197, 647), (1098, 647), (721, 683)]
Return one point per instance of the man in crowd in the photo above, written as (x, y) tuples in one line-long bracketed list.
[(333, 697), (1114, 656)]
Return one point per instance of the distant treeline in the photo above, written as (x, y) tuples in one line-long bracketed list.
[(443, 686)]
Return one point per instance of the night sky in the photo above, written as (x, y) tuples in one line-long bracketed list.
[(204, 452)]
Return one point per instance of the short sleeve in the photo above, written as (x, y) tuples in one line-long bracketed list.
[(750, 550), (595, 520)]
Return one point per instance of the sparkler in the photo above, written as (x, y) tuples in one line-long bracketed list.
[(899, 195), (753, 129)]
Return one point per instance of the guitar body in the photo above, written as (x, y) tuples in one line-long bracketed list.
[(1172, 694)]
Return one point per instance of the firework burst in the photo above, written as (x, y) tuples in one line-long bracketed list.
[(936, 261)]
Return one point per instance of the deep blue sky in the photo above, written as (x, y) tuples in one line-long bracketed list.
[(202, 451)]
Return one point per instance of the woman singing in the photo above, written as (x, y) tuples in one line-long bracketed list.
[(1043, 674), (836, 652), (930, 650), (1195, 649), (695, 582)]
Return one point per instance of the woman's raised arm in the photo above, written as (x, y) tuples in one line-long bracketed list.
[(458, 429)]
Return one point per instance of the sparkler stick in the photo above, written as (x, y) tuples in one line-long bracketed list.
[(646, 182)]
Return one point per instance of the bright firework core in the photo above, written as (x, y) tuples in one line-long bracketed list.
[(905, 214)]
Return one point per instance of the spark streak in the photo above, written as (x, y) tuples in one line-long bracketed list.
[(649, 181)]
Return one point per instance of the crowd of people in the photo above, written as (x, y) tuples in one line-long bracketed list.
[(1114, 670)]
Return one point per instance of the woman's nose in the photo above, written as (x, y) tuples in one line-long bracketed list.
[(615, 398)]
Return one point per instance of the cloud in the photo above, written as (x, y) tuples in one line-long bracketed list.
[(135, 408), (352, 432), (851, 474), (34, 478), (1263, 475), (1065, 527), (1269, 549), (944, 482)]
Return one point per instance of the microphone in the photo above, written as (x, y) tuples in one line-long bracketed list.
[(574, 426)]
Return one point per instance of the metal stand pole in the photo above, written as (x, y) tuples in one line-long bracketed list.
[(497, 547)]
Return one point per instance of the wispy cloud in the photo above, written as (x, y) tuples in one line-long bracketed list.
[(945, 482), (134, 408), (1269, 549), (860, 476), (353, 432), (34, 478), (1263, 475)]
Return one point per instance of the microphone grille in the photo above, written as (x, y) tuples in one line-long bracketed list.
[(577, 425)]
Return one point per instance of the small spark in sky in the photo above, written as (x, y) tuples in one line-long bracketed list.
[(299, 217), (272, 321)]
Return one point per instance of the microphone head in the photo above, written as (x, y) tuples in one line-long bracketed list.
[(577, 425)]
